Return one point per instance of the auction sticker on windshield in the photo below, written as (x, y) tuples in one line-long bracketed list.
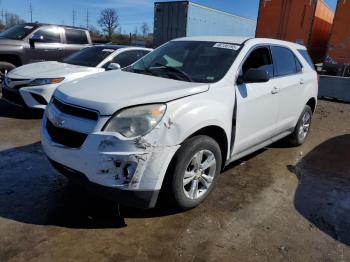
[(108, 50), (227, 46)]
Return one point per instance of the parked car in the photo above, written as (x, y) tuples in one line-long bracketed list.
[(32, 85), (177, 117), (34, 42)]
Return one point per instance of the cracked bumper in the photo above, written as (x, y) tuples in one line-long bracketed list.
[(102, 160)]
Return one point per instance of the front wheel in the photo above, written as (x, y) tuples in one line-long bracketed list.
[(302, 128), (194, 171)]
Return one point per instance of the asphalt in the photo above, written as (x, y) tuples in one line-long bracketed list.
[(279, 204)]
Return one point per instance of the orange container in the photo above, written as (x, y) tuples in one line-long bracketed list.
[(339, 42), (307, 22)]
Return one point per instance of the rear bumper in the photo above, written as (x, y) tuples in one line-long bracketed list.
[(133, 198)]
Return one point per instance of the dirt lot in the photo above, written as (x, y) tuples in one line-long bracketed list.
[(281, 204)]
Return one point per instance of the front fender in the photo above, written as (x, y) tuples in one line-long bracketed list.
[(186, 116)]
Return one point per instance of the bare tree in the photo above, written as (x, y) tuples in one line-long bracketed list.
[(144, 29), (12, 19), (94, 32), (109, 21), (136, 31)]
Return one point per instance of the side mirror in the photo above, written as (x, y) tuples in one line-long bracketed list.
[(254, 76), (34, 39), (114, 66)]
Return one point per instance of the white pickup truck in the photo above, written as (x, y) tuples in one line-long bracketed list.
[(175, 118)]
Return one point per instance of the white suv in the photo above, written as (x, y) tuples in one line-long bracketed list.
[(175, 118)]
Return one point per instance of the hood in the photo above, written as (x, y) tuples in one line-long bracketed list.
[(11, 42), (49, 70), (110, 91)]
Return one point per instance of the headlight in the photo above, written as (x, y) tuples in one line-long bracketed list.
[(136, 121), (46, 81)]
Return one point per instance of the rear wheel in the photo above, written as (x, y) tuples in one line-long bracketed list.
[(194, 171), (5, 67), (302, 128)]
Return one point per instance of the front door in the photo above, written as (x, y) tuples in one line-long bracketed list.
[(257, 104), (47, 45)]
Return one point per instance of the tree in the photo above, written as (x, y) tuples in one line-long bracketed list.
[(12, 19), (144, 29), (109, 21), (94, 32), (136, 31)]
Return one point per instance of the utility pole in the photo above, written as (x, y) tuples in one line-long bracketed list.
[(87, 18), (73, 17), (31, 11)]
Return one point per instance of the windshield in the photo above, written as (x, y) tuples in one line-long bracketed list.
[(193, 61), (90, 56), (17, 32)]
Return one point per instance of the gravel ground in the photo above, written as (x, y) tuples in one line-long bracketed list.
[(280, 204)]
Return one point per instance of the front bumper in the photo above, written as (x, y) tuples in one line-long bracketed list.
[(103, 159), (36, 97), (137, 198)]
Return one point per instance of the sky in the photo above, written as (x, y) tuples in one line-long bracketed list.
[(132, 13)]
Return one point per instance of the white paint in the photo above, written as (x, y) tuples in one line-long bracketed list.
[(263, 115), (52, 69)]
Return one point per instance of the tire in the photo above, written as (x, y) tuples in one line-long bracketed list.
[(185, 163), (302, 129), (5, 66)]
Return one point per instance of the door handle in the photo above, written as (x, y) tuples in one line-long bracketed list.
[(60, 49), (301, 81), (274, 90)]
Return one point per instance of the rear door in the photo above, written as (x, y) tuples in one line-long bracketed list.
[(75, 40), (289, 71), (256, 104), (48, 46)]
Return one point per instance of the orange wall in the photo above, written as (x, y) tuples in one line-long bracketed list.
[(321, 30), (339, 43), (303, 21)]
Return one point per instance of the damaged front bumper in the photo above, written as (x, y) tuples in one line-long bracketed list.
[(129, 171)]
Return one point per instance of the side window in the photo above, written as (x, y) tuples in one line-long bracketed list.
[(298, 64), (126, 58), (142, 53), (260, 58), (77, 37), (307, 57), (48, 35), (285, 61)]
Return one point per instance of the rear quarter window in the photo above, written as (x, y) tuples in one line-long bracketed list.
[(307, 57), (285, 62), (77, 37)]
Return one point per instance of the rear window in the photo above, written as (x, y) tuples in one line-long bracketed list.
[(76, 37), (284, 60), (307, 57)]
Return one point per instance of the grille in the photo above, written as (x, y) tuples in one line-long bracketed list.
[(64, 136), (75, 111), (13, 96)]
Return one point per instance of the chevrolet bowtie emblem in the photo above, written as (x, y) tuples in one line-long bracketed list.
[(57, 121)]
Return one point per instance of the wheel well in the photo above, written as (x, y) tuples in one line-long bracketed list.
[(219, 135), (312, 104), (13, 59)]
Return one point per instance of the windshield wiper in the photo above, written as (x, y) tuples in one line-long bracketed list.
[(176, 70)]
